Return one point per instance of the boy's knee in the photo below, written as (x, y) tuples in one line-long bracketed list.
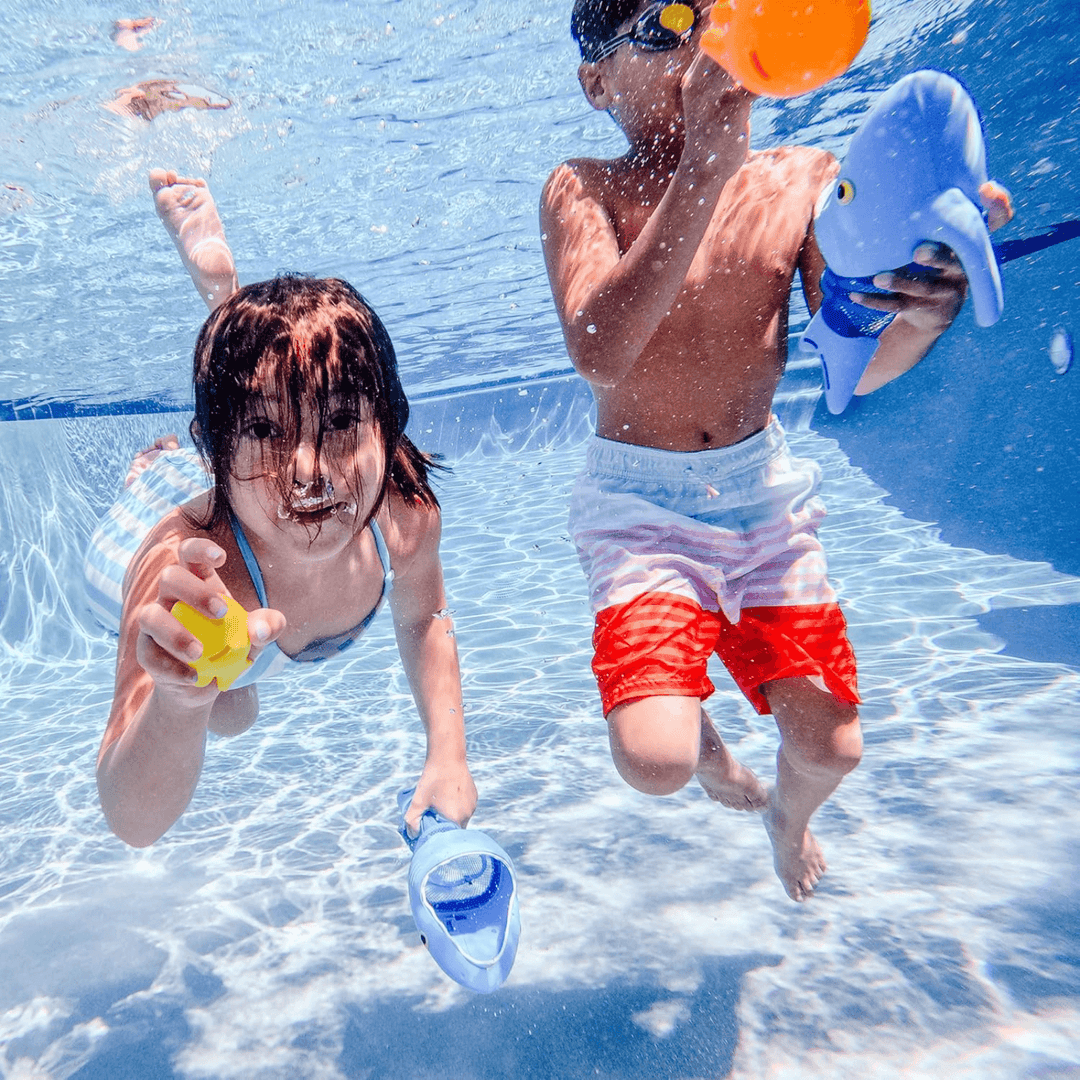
[(820, 733), (655, 754), (651, 773), (833, 753)]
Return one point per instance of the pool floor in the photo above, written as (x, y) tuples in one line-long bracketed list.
[(268, 934)]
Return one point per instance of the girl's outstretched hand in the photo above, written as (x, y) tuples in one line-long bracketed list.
[(447, 788), (166, 647)]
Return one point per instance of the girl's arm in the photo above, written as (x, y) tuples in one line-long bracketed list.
[(425, 637), (152, 752)]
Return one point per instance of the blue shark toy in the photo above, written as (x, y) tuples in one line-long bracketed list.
[(912, 174), (463, 895)]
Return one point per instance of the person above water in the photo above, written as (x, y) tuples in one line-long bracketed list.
[(152, 97), (672, 268), (129, 33), (314, 509)]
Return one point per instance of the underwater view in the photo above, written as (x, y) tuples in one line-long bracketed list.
[(404, 146)]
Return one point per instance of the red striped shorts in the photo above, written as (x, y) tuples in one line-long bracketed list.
[(688, 554)]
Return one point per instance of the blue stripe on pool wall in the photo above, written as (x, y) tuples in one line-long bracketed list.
[(32, 409)]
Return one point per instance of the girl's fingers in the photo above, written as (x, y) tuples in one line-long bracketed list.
[(165, 648), (162, 666), (265, 625), (201, 556), (205, 595), (195, 579)]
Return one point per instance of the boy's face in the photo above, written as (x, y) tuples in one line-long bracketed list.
[(641, 87)]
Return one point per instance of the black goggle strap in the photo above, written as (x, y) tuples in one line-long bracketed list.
[(653, 31)]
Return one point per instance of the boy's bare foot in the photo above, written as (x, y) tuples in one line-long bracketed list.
[(798, 860), (143, 458), (187, 211), (724, 779)]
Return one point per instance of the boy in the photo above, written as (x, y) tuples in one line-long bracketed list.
[(671, 269)]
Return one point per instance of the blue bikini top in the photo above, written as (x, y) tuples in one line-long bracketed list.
[(272, 659)]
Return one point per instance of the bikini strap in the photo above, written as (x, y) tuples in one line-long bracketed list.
[(250, 561), (384, 558), (255, 572)]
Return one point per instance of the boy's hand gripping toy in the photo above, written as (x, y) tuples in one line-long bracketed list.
[(225, 642), (782, 48), (912, 174), (463, 895)]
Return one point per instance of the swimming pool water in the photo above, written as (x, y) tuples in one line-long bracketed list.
[(268, 934)]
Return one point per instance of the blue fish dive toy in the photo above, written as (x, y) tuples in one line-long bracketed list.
[(912, 174), (463, 895)]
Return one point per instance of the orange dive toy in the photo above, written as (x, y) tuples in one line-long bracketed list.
[(783, 48), (225, 642)]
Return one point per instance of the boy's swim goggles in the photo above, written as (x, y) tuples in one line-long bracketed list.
[(660, 27)]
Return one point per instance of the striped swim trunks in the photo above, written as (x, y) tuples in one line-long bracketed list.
[(169, 481), (687, 554)]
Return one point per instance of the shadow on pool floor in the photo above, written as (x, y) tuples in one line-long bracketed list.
[(523, 1034), (1050, 635)]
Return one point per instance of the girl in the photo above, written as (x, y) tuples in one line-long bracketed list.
[(318, 510)]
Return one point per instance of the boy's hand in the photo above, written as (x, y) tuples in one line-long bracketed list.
[(165, 646), (930, 303), (713, 106), (447, 788)]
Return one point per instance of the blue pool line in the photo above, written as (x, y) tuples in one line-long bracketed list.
[(33, 409)]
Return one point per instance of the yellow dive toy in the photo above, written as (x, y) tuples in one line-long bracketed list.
[(225, 642)]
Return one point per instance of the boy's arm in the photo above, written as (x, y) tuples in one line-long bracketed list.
[(425, 637), (925, 307), (611, 303)]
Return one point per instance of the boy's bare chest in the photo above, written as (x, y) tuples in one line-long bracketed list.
[(755, 235)]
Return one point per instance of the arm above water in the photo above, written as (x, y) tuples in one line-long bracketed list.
[(425, 637)]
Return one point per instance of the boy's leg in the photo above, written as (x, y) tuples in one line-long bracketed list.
[(820, 743), (189, 215), (659, 743), (725, 779)]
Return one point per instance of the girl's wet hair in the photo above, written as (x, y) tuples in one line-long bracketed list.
[(300, 341), (594, 22)]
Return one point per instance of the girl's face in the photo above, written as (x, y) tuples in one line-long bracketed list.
[(304, 505)]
